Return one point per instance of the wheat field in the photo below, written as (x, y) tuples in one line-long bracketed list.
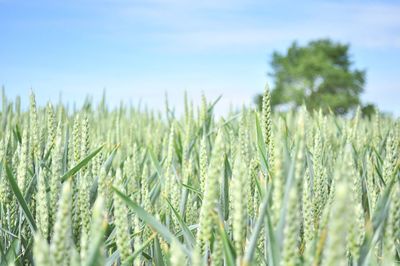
[(132, 186)]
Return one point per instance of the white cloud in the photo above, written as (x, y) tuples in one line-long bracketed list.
[(236, 24), (215, 25)]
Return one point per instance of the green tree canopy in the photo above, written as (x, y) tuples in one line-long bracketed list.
[(319, 74)]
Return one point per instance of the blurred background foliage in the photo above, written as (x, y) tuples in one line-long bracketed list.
[(319, 74)]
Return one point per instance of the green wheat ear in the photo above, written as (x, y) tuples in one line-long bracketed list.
[(211, 194), (34, 128), (42, 206), (266, 116), (41, 251), (290, 251), (62, 238), (98, 226), (203, 164), (239, 204), (177, 255), (22, 170), (55, 176), (121, 221), (51, 126), (338, 228), (84, 209)]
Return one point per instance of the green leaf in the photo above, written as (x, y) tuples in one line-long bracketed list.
[(210, 109), (156, 163), (20, 198), (81, 164), (108, 162), (158, 256), (225, 189), (112, 259), (11, 256), (196, 191), (8, 233), (48, 153), (139, 250), (229, 252), (375, 230), (284, 204), (17, 134), (187, 234), (95, 248), (252, 246), (2, 262), (150, 220), (272, 246)]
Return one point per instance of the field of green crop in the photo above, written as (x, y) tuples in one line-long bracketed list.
[(132, 186)]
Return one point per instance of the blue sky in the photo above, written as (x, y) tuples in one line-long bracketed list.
[(138, 50)]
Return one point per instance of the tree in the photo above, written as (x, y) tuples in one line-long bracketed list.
[(319, 74), (368, 110)]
